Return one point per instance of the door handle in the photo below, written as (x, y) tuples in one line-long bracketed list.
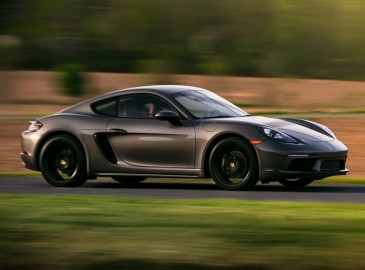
[(118, 130)]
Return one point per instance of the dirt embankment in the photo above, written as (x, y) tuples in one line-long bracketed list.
[(36, 92)]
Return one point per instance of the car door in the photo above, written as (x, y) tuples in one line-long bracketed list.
[(140, 139)]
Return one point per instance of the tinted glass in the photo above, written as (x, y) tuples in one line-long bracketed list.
[(107, 107), (142, 106), (205, 104)]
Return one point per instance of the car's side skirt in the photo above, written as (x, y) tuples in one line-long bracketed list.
[(151, 175)]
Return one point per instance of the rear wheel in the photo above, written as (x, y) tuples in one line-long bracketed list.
[(62, 162), (233, 165), (296, 182), (129, 180)]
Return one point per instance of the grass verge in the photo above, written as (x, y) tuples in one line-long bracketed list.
[(28, 174), (96, 232), (32, 174)]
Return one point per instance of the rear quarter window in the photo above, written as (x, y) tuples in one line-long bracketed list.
[(106, 107)]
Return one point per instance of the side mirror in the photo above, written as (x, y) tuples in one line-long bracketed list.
[(166, 115)]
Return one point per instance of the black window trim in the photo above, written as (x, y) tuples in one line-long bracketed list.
[(93, 105)]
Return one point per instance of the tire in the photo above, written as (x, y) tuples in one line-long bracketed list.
[(233, 165), (129, 179), (296, 183), (62, 162)]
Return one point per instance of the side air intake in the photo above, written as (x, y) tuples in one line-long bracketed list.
[(105, 147)]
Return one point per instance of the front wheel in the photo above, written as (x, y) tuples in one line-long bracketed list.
[(62, 162), (296, 183), (233, 165)]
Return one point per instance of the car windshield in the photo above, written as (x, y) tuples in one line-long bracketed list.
[(205, 104)]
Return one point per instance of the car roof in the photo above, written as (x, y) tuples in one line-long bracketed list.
[(164, 90)]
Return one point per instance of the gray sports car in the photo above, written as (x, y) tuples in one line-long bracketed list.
[(177, 131)]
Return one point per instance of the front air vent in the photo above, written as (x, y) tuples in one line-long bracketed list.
[(332, 165), (302, 164), (105, 147)]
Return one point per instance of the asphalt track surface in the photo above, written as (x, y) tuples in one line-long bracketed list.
[(320, 192)]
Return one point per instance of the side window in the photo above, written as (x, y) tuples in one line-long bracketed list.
[(106, 107), (141, 106)]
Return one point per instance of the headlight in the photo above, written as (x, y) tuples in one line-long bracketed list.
[(277, 135)]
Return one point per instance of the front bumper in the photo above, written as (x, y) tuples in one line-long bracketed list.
[(315, 160), (312, 166)]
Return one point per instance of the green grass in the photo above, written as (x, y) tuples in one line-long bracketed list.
[(96, 232), (274, 111), (312, 114), (43, 102), (33, 174), (356, 181), (29, 174)]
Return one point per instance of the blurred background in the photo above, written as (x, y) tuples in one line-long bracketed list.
[(267, 56), (266, 38), (300, 58)]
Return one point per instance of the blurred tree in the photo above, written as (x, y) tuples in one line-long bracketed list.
[(307, 38), (71, 80)]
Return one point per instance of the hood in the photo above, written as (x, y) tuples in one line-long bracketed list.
[(293, 129)]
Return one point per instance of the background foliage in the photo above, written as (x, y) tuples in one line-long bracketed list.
[(265, 38)]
